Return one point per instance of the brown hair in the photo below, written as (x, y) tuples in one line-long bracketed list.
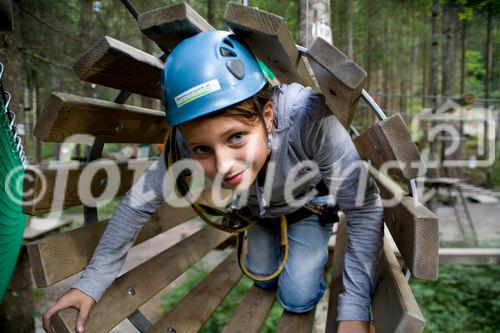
[(250, 109)]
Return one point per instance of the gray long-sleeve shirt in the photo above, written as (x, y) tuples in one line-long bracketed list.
[(306, 131)]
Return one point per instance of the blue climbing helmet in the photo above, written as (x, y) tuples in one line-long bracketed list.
[(206, 73)]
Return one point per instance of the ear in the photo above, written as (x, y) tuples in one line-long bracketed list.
[(268, 113)]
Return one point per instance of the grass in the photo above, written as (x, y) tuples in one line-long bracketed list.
[(464, 299)]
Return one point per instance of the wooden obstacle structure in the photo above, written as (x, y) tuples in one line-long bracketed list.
[(114, 64)]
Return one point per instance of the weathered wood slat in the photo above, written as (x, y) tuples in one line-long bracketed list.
[(394, 307), (296, 322), (57, 257), (115, 64), (268, 37), (252, 312), (469, 256), (413, 227), (340, 79), (148, 279), (390, 141), (65, 115), (195, 308), (338, 269), (170, 25), (61, 183)]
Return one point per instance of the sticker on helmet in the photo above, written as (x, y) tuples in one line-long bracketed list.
[(197, 92)]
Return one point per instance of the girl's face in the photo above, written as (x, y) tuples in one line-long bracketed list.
[(228, 148)]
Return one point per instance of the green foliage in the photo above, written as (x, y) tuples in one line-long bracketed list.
[(475, 72), (464, 299)]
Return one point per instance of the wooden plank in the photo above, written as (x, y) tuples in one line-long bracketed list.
[(340, 79), (115, 64), (413, 227), (469, 256), (252, 311), (195, 308), (394, 307), (296, 322), (268, 37), (336, 284), (50, 188), (170, 25), (57, 257), (152, 276), (65, 115), (389, 141)]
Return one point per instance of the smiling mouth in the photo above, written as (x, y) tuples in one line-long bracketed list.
[(228, 179)]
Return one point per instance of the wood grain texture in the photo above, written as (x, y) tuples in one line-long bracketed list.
[(52, 188), (115, 64), (340, 79), (469, 256), (336, 284), (268, 37), (413, 227), (170, 25), (296, 322), (195, 308), (66, 115), (152, 276), (57, 257), (389, 141), (252, 311), (394, 307)]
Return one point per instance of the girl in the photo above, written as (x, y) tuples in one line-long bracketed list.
[(278, 148)]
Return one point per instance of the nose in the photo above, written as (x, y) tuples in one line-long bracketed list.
[(224, 160)]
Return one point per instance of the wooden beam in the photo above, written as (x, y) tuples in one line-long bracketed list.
[(252, 311), (268, 37), (66, 115), (469, 256), (170, 25), (390, 141), (195, 308), (336, 284), (115, 64), (296, 322), (340, 79), (394, 307), (50, 188), (57, 257), (413, 227), (148, 279)]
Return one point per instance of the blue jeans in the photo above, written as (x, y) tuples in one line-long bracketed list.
[(301, 284)]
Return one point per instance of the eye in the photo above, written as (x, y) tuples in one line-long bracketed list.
[(237, 138), (200, 150)]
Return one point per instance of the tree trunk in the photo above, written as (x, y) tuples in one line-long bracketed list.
[(211, 12), (433, 79), (314, 20), (86, 37), (448, 54), (462, 60)]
